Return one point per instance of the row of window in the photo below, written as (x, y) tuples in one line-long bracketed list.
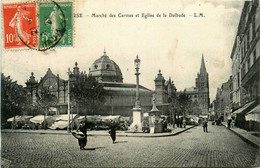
[(248, 64), (248, 37), (204, 105)]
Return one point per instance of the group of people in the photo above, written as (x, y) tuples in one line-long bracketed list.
[(82, 137), (230, 123), (181, 122)]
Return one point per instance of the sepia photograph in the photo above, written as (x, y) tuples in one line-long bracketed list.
[(119, 83)]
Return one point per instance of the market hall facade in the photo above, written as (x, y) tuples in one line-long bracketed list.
[(120, 97)]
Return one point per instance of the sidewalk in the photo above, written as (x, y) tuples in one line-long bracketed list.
[(175, 131), (245, 136)]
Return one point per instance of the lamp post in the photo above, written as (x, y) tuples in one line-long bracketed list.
[(137, 111), (68, 128), (137, 67)]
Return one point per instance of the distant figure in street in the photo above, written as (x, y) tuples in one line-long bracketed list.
[(112, 131), (184, 123), (205, 125), (143, 125), (181, 122), (229, 123), (232, 123), (177, 121), (83, 129), (164, 125)]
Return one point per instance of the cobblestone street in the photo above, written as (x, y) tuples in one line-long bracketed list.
[(218, 148)]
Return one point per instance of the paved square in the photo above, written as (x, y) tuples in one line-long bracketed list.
[(193, 148)]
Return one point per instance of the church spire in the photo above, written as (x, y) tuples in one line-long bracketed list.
[(202, 66)]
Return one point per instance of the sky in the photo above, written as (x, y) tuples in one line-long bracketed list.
[(172, 44)]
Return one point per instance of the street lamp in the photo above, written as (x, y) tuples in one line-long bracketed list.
[(69, 73), (137, 111), (137, 67)]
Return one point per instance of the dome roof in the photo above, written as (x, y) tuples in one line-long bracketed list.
[(106, 70)]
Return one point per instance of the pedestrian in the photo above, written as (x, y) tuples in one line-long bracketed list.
[(184, 123), (181, 122), (112, 131), (164, 125), (229, 123), (177, 121), (82, 139), (143, 126), (232, 123), (205, 125)]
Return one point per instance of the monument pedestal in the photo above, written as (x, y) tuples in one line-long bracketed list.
[(136, 126)]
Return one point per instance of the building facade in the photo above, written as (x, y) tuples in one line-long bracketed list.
[(200, 92), (164, 90), (119, 97), (225, 100), (245, 56), (246, 67), (217, 105)]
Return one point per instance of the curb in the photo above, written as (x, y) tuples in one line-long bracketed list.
[(156, 136), (121, 135), (244, 139)]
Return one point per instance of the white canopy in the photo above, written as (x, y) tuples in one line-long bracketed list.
[(110, 117), (254, 114), (38, 119), (65, 117), (203, 116), (19, 118), (240, 110), (61, 124)]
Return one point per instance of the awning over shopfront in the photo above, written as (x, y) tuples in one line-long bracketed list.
[(254, 114), (240, 110)]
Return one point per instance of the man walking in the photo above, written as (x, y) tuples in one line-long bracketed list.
[(205, 125)]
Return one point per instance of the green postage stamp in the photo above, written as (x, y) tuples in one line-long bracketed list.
[(55, 24)]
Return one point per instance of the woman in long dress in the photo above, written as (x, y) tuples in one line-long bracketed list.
[(56, 20), (82, 128), (18, 24), (113, 131)]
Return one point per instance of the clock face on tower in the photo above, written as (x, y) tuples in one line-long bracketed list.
[(51, 84)]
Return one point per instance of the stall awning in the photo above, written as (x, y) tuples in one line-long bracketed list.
[(240, 110), (203, 116), (254, 114)]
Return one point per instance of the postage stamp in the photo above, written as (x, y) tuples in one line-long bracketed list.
[(38, 25), (55, 24), (20, 27)]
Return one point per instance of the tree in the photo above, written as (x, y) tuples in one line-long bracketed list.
[(45, 100), (86, 91), (195, 108), (184, 103), (13, 98)]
